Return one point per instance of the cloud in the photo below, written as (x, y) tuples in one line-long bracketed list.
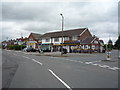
[(42, 17)]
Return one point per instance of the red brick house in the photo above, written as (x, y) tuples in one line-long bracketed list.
[(73, 40), (34, 40), (21, 41)]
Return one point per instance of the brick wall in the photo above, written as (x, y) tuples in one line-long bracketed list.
[(85, 34)]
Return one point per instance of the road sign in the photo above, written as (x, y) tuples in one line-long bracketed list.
[(108, 55), (79, 41)]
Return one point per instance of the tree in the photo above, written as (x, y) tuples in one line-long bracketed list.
[(117, 43)]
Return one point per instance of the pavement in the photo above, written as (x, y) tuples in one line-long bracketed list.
[(114, 56), (49, 70), (58, 54), (0, 69)]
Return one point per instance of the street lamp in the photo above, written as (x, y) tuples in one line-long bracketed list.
[(62, 33)]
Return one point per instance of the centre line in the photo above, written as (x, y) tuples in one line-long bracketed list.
[(37, 61), (60, 79)]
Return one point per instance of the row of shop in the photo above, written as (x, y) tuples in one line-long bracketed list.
[(76, 40), (74, 48)]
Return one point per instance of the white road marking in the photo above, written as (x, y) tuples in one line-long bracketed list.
[(93, 63), (63, 82), (103, 66), (88, 62), (37, 61), (112, 68), (26, 57), (106, 66), (116, 68)]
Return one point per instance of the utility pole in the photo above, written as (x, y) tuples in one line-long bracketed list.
[(21, 41), (62, 34), (7, 42)]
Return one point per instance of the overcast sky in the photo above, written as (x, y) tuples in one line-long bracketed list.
[(101, 18)]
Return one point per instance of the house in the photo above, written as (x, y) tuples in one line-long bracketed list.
[(20, 41), (34, 40), (75, 40), (7, 43), (71, 39), (91, 44), (10, 42)]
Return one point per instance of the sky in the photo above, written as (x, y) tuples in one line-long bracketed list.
[(20, 18)]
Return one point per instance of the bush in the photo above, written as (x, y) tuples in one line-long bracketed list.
[(16, 47)]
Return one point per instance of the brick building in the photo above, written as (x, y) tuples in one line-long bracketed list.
[(34, 40), (75, 40)]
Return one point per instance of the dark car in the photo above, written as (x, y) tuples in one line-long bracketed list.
[(31, 50), (64, 50), (40, 50)]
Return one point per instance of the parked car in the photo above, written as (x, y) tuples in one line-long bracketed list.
[(24, 50), (40, 50), (64, 51), (31, 50)]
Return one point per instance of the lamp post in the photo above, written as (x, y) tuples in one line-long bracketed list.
[(7, 42), (62, 33), (21, 41)]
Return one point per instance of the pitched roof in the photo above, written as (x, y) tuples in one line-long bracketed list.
[(87, 40), (101, 41), (36, 35), (65, 33), (4, 41)]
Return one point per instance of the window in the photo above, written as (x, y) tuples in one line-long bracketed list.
[(56, 39), (75, 38), (47, 40), (30, 39), (86, 47), (96, 42), (40, 40), (67, 38)]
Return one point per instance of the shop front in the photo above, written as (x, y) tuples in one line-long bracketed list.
[(32, 44)]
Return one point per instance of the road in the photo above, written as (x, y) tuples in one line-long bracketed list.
[(21, 70)]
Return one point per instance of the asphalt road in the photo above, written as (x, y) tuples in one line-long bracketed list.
[(22, 70), (0, 69)]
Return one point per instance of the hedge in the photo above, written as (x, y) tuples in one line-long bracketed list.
[(16, 47)]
